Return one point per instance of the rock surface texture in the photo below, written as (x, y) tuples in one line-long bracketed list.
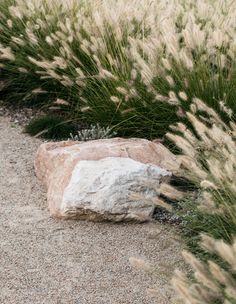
[(103, 189), (96, 180)]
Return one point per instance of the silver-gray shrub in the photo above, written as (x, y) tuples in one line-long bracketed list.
[(93, 133)]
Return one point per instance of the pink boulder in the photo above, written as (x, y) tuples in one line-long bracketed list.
[(55, 162)]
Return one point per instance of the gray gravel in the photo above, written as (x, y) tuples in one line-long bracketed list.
[(47, 261)]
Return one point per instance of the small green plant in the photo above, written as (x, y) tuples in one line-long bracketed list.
[(94, 132), (50, 127)]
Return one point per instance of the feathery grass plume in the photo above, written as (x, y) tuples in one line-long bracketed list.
[(139, 264), (84, 50), (209, 160), (211, 284)]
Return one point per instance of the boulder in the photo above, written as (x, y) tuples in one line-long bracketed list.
[(58, 165), (113, 188)]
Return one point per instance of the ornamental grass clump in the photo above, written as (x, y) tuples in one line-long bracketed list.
[(211, 283), (133, 65), (50, 127), (207, 153), (208, 159)]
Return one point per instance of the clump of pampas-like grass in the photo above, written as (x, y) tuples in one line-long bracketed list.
[(130, 64), (211, 283), (209, 160)]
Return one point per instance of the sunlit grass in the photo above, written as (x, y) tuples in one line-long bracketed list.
[(133, 65)]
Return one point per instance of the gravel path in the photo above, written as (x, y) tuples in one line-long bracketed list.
[(46, 261)]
